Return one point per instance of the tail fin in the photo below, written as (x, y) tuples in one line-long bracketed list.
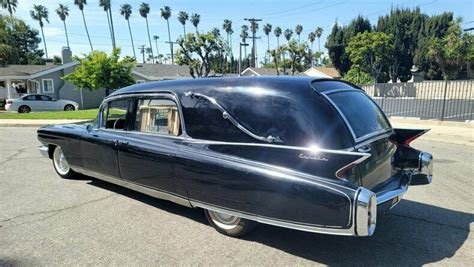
[(406, 136)]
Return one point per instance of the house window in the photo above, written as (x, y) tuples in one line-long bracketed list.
[(48, 86), (140, 81)]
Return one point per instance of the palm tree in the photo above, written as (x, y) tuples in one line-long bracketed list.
[(63, 12), (106, 5), (144, 11), (166, 14), (298, 30), (216, 32), (10, 5), (41, 13), (244, 34), (126, 11), (319, 32), (81, 4), (156, 37), (195, 19), (288, 33), (183, 17), (277, 33), (267, 29), (227, 27), (311, 38)]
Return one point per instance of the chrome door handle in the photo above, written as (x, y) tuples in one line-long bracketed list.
[(365, 149)]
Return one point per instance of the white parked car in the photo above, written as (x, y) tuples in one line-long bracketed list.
[(35, 102)]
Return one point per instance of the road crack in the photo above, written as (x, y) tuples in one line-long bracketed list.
[(428, 221)]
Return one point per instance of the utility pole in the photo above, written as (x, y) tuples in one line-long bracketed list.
[(172, 52), (240, 56), (253, 24), (141, 48)]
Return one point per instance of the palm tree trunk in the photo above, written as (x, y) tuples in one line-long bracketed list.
[(157, 50), (67, 37), (87, 31), (319, 46), (184, 30), (149, 39), (44, 41), (169, 40), (131, 38), (112, 27), (278, 42)]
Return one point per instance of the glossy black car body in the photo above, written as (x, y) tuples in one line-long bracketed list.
[(277, 150)]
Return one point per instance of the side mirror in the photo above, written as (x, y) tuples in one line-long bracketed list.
[(89, 127)]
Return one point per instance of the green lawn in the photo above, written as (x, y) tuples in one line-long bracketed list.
[(87, 114)]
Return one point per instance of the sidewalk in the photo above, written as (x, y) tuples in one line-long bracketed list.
[(33, 123)]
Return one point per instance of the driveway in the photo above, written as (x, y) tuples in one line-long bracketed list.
[(45, 220)]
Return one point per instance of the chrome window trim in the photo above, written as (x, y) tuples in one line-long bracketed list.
[(346, 121), (227, 116)]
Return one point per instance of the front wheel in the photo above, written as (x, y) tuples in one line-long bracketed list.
[(24, 109), (61, 165), (69, 107), (229, 225)]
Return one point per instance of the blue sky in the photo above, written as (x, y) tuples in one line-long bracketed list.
[(285, 14)]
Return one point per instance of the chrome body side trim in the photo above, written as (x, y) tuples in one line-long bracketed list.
[(136, 187), (44, 150), (389, 195), (227, 116)]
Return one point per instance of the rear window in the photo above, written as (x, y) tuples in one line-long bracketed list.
[(363, 115)]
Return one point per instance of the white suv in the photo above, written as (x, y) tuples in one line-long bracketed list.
[(35, 102)]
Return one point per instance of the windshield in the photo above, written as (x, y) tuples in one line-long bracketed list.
[(363, 115)]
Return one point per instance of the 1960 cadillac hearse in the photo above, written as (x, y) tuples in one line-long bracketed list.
[(310, 154)]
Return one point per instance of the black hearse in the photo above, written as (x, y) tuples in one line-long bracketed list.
[(310, 154)]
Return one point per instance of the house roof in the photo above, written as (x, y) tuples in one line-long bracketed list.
[(161, 71), (260, 71), (324, 71), (22, 70)]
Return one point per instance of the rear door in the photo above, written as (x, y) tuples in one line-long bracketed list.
[(370, 130)]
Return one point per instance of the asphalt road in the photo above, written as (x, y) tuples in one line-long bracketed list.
[(45, 220), (454, 109)]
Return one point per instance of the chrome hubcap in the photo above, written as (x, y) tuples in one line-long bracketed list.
[(69, 108), (224, 220), (60, 162)]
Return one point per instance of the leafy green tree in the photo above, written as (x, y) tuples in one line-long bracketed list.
[(183, 17), (340, 37), (98, 70), (200, 52), (63, 13), (356, 76), (297, 53), (19, 42), (404, 25), (195, 19), (40, 13), (126, 12), (80, 4), (371, 52), (144, 10), (433, 27), (452, 51)]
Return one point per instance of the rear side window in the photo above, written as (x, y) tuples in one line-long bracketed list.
[(155, 115), (363, 115)]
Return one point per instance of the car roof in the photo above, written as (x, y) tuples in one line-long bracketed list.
[(283, 83)]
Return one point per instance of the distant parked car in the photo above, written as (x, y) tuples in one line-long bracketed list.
[(35, 102)]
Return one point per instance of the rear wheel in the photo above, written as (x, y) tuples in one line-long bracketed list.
[(24, 109), (61, 165), (69, 107), (229, 225)]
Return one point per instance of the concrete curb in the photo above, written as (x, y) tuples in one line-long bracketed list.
[(412, 120)]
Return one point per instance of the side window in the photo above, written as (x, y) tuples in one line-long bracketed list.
[(157, 115), (45, 98), (114, 114), (29, 98)]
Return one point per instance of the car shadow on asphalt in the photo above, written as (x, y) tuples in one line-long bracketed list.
[(412, 234)]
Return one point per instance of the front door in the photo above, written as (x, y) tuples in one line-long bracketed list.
[(99, 145), (146, 156)]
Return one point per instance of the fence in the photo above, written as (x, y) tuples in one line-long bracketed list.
[(442, 100)]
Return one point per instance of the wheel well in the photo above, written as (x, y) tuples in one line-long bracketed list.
[(51, 149)]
